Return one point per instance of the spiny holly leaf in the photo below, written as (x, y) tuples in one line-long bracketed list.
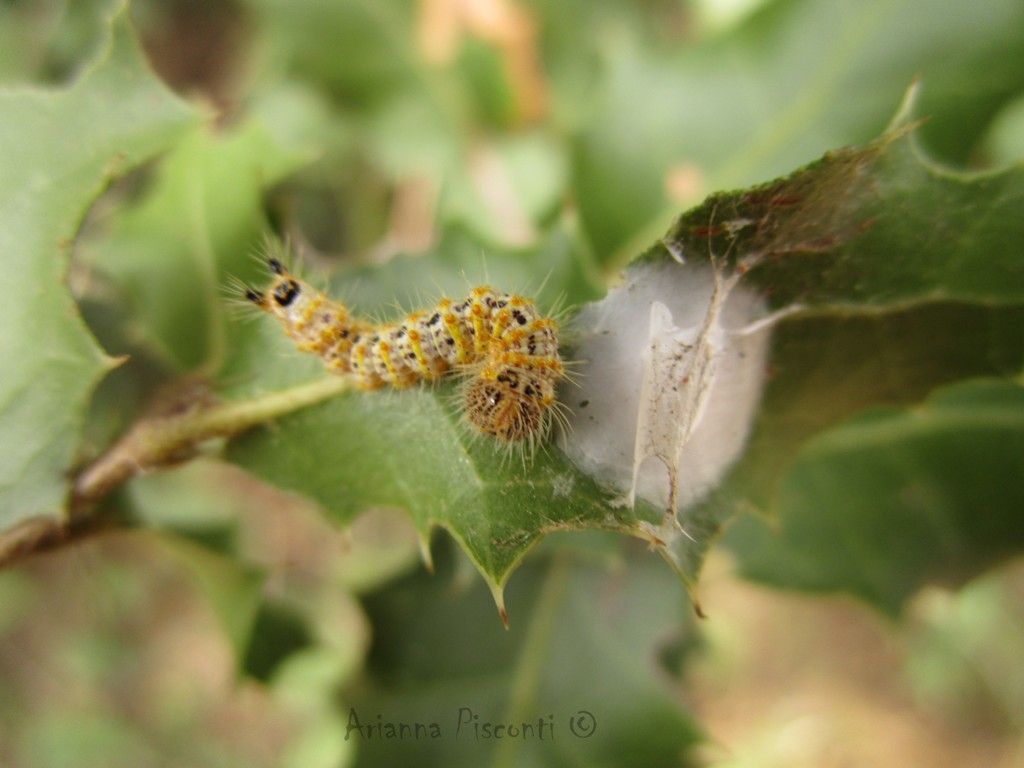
[(409, 449), (828, 367), (919, 283), (798, 78), (406, 449), (898, 497), (122, 115), (873, 226)]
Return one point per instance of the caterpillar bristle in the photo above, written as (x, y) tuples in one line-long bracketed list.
[(236, 294)]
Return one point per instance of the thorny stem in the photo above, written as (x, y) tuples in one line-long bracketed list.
[(158, 441)]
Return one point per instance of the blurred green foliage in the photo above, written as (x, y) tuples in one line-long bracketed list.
[(408, 148)]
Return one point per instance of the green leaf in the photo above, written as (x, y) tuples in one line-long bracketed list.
[(122, 115), (827, 368), (908, 278), (820, 240), (408, 449), (171, 253), (868, 241), (878, 226), (587, 666), (800, 77), (895, 498)]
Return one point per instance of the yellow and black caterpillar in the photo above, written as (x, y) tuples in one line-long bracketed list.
[(500, 341)]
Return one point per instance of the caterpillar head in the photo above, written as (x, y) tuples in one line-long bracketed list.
[(512, 406), (308, 318), (282, 293)]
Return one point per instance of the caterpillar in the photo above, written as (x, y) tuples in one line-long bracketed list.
[(500, 341)]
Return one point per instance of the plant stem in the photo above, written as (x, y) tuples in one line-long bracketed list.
[(161, 439)]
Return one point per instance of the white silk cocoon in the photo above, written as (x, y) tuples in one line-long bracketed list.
[(670, 372)]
